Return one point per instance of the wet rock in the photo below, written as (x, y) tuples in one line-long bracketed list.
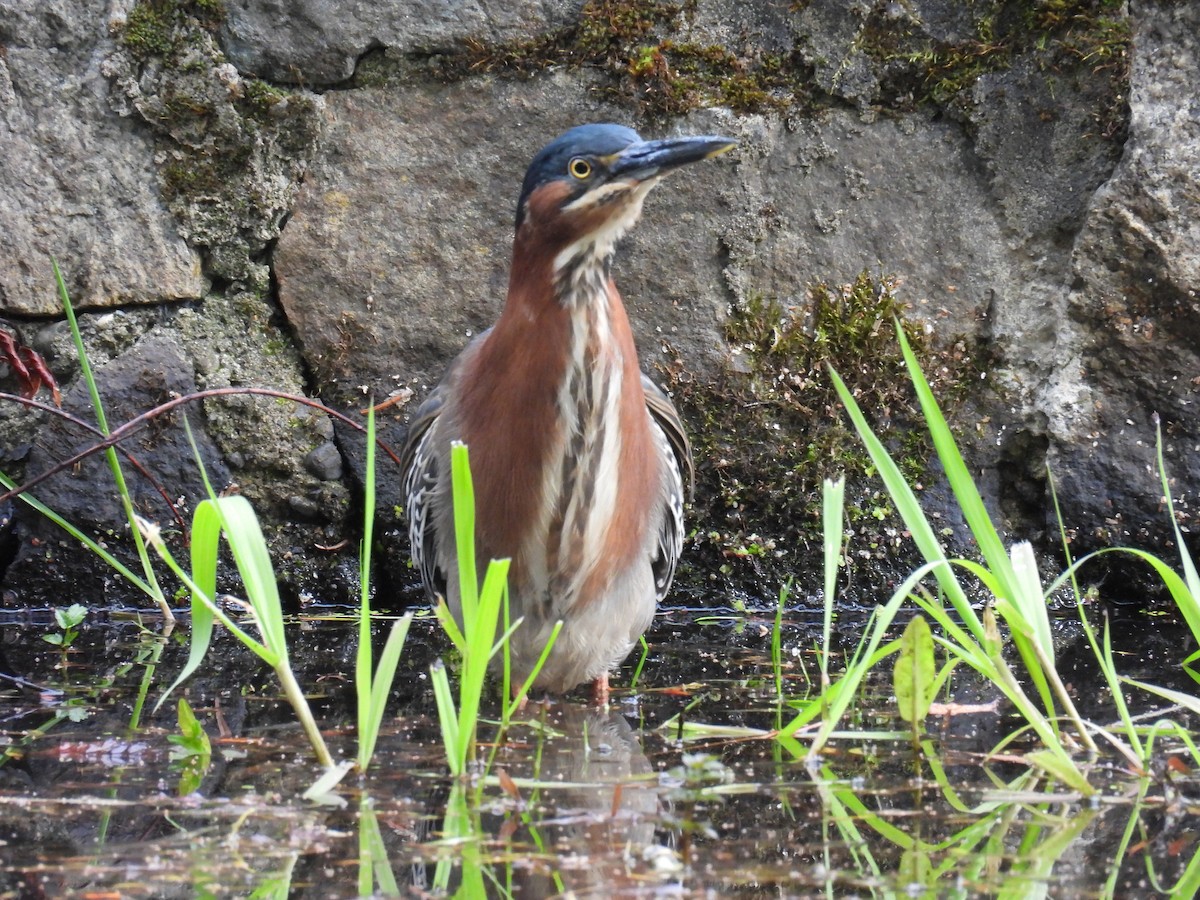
[(162, 470), (1024, 223)]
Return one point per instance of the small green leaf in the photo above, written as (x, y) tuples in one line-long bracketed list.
[(914, 673), (1062, 768), (192, 738), (70, 616), (193, 752)]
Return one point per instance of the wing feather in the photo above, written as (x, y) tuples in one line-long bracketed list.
[(677, 451)]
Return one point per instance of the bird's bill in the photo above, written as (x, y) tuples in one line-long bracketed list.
[(649, 159)]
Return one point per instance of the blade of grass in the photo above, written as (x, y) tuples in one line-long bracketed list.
[(114, 462), (957, 474), (373, 683), (909, 509), (833, 502)]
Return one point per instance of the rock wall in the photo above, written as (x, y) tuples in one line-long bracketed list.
[(318, 197)]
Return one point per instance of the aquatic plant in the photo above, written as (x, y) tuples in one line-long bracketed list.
[(1016, 598), (476, 642), (234, 517), (68, 619), (147, 582), (372, 684)]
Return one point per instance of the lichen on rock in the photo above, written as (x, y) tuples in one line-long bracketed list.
[(230, 150)]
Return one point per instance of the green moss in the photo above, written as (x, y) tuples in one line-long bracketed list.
[(261, 95), (158, 27), (629, 39), (607, 28), (771, 428), (1094, 33), (147, 31)]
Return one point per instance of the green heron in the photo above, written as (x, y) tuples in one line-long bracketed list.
[(580, 462)]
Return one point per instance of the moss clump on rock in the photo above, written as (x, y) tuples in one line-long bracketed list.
[(771, 428), (159, 28), (232, 149), (918, 67)]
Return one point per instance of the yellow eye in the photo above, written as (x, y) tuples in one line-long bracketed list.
[(579, 168)]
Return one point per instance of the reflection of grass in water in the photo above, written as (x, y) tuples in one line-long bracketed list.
[(1022, 812)]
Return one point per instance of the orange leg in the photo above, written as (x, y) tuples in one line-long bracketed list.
[(600, 690), (516, 690)]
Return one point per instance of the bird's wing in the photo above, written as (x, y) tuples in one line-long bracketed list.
[(675, 446), (664, 414), (419, 465), (421, 459)]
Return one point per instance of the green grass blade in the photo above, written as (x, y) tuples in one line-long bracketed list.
[(379, 687), (923, 534), (1029, 598), (206, 535), (641, 663), (371, 686), (957, 474), (1187, 701), (1189, 602), (253, 561), (442, 612), (833, 502), (110, 454), (447, 717), (777, 638), (537, 667), (842, 692), (463, 490)]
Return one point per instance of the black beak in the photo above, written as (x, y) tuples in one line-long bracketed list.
[(649, 159)]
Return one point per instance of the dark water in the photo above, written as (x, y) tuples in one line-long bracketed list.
[(578, 801)]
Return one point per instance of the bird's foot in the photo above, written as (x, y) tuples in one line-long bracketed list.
[(517, 688)]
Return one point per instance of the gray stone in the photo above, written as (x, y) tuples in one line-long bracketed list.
[(746, 29), (324, 462), (318, 42), (155, 369), (78, 182), (831, 42), (1135, 348), (825, 202)]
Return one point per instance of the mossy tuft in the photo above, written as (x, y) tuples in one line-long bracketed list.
[(159, 27), (771, 428), (1057, 34)]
